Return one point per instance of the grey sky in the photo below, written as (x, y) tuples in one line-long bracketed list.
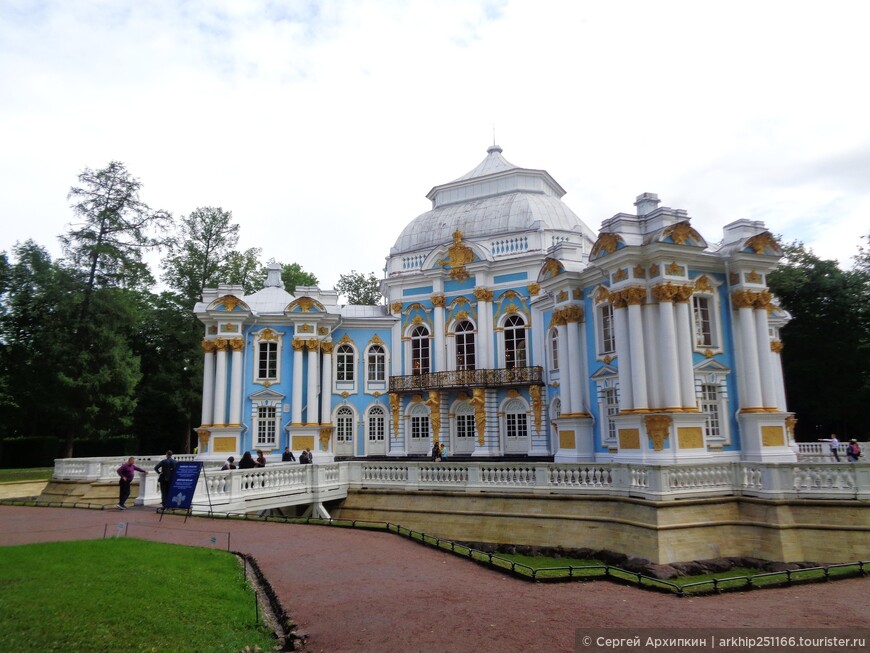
[(322, 125)]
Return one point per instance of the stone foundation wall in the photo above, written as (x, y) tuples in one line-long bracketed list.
[(663, 532)]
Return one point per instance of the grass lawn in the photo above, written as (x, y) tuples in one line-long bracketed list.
[(34, 474), (128, 595)]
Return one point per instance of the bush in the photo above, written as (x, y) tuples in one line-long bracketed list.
[(37, 451)]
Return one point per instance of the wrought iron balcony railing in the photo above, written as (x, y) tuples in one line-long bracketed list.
[(468, 379)]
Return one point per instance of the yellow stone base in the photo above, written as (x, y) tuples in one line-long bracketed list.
[(663, 532)]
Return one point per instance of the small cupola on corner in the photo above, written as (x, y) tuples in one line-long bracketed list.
[(646, 203), (273, 276)]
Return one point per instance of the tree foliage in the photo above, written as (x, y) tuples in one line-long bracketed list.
[(359, 288), (826, 356), (293, 276)]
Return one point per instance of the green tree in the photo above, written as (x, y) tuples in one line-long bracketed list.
[(292, 275), (197, 252), (825, 356), (244, 269), (359, 289), (116, 227)]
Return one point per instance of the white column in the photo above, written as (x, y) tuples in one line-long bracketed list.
[(396, 348), (775, 349), (311, 416), (440, 358), (652, 355), (236, 381), (575, 362), (296, 411), (219, 417), (684, 355), (750, 375), (765, 364), (565, 362), (635, 339), (207, 383), (484, 328), (326, 384), (668, 378), (623, 354)]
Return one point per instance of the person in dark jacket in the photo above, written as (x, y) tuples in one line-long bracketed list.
[(261, 459), (127, 472), (287, 456), (166, 469), (247, 462), (229, 465)]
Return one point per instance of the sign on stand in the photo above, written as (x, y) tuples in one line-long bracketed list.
[(183, 486)]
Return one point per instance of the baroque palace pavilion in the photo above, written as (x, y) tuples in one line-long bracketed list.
[(510, 329)]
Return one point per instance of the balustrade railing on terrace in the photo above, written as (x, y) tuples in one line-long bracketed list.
[(284, 484), (499, 377)]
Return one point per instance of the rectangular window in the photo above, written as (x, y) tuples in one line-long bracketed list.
[(611, 406), (607, 343), (268, 361), (516, 425), (376, 428), (465, 426), (420, 427), (710, 408), (267, 426), (704, 335)]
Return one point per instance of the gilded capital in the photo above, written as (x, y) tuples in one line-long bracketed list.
[(762, 300), (298, 344), (664, 293), (573, 314), (221, 344), (619, 299), (776, 346), (237, 344), (438, 301), (209, 346), (635, 296), (743, 298), (483, 294), (683, 294), (312, 345), (396, 307), (326, 347), (534, 289)]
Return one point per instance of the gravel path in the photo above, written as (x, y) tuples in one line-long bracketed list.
[(375, 592)]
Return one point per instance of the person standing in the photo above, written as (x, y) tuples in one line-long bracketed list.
[(261, 459), (436, 452), (229, 465), (127, 472), (287, 456), (166, 469), (853, 451), (247, 462), (835, 446)]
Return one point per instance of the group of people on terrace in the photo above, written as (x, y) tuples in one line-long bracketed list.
[(853, 449)]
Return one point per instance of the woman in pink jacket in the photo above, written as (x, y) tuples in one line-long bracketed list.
[(127, 472)]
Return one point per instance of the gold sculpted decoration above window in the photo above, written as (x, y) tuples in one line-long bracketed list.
[(606, 244), (654, 271), (620, 275), (675, 269), (376, 340), (458, 256), (602, 294), (551, 268), (562, 296), (345, 340), (639, 272), (229, 302), (753, 277), (764, 243), (267, 334), (702, 284), (681, 233)]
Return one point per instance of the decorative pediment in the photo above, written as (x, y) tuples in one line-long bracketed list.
[(712, 365), (229, 304), (266, 394), (763, 243), (682, 233), (305, 305), (605, 372), (551, 268), (607, 243)]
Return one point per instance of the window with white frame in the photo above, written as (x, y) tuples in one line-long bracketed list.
[(514, 342), (376, 364), (516, 419), (419, 423), (610, 399), (464, 421), (266, 427), (710, 408), (344, 425), (705, 335), (344, 367), (606, 331), (554, 349), (267, 361), (377, 421), (465, 353), (420, 350)]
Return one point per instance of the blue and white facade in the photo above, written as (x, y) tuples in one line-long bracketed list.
[(511, 329)]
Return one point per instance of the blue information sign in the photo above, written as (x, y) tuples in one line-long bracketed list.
[(184, 484)]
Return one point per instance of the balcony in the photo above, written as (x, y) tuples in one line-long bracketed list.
[(496, 378)]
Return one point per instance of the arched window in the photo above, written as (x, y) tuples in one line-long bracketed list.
[(376, 423), (420, 350), (419, 422), (516, 420), (344, 364), (554, 349), (344, 425), (376, 363), (465, 354), (514, 342)]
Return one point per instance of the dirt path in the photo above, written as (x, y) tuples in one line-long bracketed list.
[(375, 592)]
